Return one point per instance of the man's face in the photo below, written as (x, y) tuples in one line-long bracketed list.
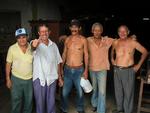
[(74, 30), (43, 33), (97, 31), (123, 32), (22, 40)]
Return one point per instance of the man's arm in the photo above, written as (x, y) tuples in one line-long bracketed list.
[(113, 53), (85, 59), (64, 55), (8, 70), (60, 75), (59, 64), (109, 39), (144, 53)]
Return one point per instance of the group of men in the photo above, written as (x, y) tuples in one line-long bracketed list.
[(80, 56)]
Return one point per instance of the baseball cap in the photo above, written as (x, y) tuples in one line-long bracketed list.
[(75, 22), (20, 32)]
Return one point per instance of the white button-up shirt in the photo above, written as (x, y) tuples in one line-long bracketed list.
[(45, 63)]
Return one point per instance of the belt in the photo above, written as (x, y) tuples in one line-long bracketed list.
[(121, 67), (75, 67)]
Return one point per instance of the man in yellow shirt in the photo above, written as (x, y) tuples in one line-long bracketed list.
[(19, 73)]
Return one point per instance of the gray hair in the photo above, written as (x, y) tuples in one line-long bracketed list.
[(124, 26), (97, 24)]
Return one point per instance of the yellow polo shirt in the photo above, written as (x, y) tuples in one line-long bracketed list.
[(21, 62)]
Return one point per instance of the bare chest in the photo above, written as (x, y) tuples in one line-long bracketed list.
[(75, 45), (124, 48)]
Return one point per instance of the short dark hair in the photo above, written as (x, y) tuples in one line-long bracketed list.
[(41, 25)]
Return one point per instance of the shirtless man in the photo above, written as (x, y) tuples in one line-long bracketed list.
[(124, 68), (98, 47), (74, 55)]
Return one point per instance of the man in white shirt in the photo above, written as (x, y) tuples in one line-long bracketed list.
[(46, 70)]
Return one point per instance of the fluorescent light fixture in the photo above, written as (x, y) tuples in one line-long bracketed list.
[(146, 19)]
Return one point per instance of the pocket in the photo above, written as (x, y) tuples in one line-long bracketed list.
[(81, 70), (65, 70)]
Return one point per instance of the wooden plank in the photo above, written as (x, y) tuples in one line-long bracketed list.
[(145, 109), (146, 100)]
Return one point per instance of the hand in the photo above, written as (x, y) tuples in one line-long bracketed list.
[(85, 73), (61, 82), (133, 37), (106, 37), (136, 68), (113, 62), (9, 83), (62, 73), (35, 43)]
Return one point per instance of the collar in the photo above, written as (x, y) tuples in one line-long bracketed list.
[(28, 45), (49, 42)]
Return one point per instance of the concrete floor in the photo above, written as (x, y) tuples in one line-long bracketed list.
[(110, 100), (5, 102)]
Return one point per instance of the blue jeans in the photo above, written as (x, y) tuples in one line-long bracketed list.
[(72, 77), (98, 99)]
